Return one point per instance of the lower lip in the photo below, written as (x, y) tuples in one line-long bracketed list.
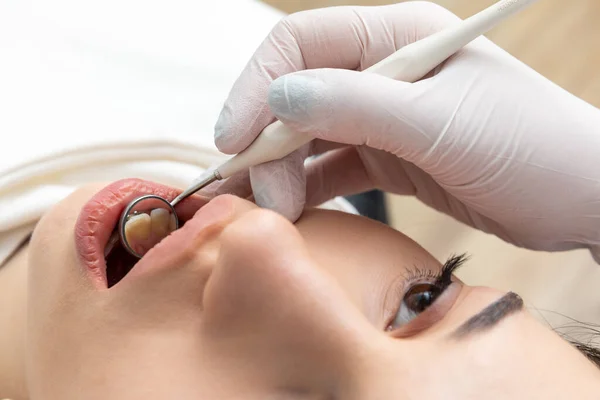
[(100, 215)]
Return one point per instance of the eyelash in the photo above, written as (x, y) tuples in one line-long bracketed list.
[(441, 278)]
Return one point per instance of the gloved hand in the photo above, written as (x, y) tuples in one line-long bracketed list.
[(484, 138)]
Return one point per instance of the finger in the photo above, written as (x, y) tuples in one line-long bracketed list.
[(356, 108), (280, 185), (355, 170), (339, 37), (337, 173)]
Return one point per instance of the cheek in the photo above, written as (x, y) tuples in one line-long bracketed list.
[(357, 280)]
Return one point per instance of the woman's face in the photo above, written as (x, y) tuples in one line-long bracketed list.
[(241, 304)]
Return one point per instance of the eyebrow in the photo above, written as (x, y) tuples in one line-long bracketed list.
[(490, 316)]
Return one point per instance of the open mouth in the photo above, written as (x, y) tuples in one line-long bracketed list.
[(118, 263), (100, 216)]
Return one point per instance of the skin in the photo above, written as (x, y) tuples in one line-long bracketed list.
[(253, 307)]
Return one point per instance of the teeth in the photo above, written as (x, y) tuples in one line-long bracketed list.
[(161, 221), (138, 228)]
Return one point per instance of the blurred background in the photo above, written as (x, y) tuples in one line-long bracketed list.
[(561, 40)]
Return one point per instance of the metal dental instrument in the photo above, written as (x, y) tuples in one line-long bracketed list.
[(409, 64)]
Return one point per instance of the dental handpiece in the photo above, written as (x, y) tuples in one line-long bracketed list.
[(409, 64)]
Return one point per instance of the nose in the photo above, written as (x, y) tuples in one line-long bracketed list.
[(268, 303), (170, 280)]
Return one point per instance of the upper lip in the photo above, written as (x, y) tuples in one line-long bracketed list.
[(100, 215)]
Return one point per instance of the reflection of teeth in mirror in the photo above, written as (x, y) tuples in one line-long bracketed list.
[(172, 223), (138, 227), (160, 222)]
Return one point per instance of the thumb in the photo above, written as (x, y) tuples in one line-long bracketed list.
[(280, 185), (357, 108)]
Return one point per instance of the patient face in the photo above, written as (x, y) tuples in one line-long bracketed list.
[(240, 303)]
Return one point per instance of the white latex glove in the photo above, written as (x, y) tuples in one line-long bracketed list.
[(485, 139)]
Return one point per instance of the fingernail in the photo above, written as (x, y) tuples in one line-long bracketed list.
[(299, 98)]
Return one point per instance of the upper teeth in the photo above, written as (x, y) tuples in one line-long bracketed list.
[(138, 228), (160, 222), (142, 230)]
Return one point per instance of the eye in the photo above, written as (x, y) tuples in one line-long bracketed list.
[(424, 297), (416, 300)]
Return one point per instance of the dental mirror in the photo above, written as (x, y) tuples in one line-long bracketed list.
[(149, 219), (145, 222)]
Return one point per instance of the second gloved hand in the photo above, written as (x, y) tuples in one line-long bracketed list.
[(484, 139)]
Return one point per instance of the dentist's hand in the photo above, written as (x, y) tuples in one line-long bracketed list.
[(484, 139)]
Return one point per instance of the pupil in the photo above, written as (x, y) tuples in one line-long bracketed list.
[(421, 296)]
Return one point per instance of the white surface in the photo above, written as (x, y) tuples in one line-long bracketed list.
[(76, 73)]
